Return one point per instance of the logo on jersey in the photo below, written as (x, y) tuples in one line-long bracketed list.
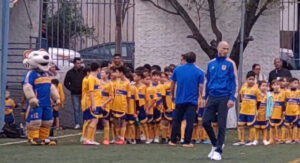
[(213, 67), (224, 67)]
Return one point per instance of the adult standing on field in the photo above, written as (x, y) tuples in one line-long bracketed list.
[(189, 80), (73, 82), (220, 93)]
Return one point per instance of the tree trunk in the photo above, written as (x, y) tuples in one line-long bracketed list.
[(118, 26)]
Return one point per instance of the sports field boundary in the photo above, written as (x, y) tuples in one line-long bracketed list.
[(57, 137)]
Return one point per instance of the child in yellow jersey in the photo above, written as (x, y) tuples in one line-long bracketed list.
[(262, 122), (84, 103), (276, 119), (120, 104), (131, 112), (150, 102), (114, 80), (160, 103), (61, 93), (292, 98), (94, 111), (247, 115), (142, 96), (9, 106), (170, 106), (106, 98)]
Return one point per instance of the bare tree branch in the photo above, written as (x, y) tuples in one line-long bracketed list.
[(209, 50), (213, 20), (161, 8), (263, 8)]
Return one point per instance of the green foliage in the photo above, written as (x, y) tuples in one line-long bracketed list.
[(65, 24)]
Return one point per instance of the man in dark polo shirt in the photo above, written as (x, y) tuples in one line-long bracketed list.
[(189, 80), (279, 71)]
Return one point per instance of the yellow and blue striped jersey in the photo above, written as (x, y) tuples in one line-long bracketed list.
[(292, 99), (278, 101), (249, 100), (9, 106), (122, 93)]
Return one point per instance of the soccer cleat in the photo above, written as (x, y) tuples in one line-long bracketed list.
[(105, 142), (120, 142), (212, 151), (265, 142), (255, 143), (95, 143), (288, 142), (35, 142), (112, 141), (133, 142), (88, 142), (143, 138), (156, 140), (50, 142), (276, 138), (206, 142), (171, 144), (216, 156), (188, 145), (238, 144), (149, 141), (249, 144)]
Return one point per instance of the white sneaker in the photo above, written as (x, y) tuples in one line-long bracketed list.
[(181, 141), (216, 156), (82, 139), (77, 126), (266, 142), (143, 138), (156, 140), (133, 142), (149, 141), (238, 144), (212, 151), (112, 141), (288, 142), (95, 143), (249, 143), (255, 143)]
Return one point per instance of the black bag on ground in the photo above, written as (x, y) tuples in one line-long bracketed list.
[(12, 131)]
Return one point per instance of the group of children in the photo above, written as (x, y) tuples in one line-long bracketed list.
[(135, 105), (271, 109)]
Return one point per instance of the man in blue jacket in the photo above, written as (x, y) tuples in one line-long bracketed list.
[(220, 93)]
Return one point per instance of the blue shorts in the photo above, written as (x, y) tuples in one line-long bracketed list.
[(200, 114), (87, 115), (168, 116), (246, 120), (157, 115), (130, 118), (276, 122), (261, 124), (43, 113), (118, 115), (298, 123), (98, 113), (106, 115), (149, 118), (55, 114), (142, 114), (9, 118), (290, 120)]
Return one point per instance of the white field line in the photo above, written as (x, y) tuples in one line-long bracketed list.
[(58, 137)]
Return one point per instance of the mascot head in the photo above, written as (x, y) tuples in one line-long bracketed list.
[(39, 59)]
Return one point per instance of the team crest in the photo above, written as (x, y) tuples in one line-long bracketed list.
[(224, 67)]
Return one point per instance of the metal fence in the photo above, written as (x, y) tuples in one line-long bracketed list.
[(81, 24), (289, 33)]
